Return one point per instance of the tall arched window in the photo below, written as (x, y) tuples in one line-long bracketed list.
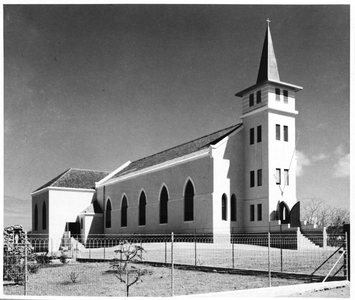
[(124, 207), (224, 207), (163, 215), (141, 211), (108, 213), (44, 216), (189, 202), (233, 208), (36, 217)]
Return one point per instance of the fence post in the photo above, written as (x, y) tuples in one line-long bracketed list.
[(51, 246), (195, 247), (232, 253), (104, 241), (25, 267), (346, 265), (172, 264), (324, 237), (141, 238), (281, 239), (269, 258), (165, 249)]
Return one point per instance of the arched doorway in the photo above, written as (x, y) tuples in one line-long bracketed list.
[(283, 212)]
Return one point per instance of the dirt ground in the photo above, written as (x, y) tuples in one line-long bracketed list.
[(343, 292)]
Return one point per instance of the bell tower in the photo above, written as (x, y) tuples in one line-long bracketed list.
[(268, 114)]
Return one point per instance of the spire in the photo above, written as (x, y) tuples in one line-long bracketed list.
[(268, 65)]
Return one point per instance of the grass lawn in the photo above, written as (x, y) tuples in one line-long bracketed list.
[(98, 279), (231, 256)]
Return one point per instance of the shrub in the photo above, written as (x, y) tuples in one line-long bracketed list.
[(74, 276), (43, 259), (63, 257)]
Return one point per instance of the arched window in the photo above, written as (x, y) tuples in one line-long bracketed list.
[(224, 207), (124, 207), (82, 223), (284, 213), (108, 213), (233, 208), (189, 202), (36, 217), (141, 211), (44, 216), (163, 215)]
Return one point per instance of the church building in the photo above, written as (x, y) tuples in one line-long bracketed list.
[(240, 179)]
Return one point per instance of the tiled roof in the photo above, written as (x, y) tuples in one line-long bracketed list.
[(76, 178), (178, 151)]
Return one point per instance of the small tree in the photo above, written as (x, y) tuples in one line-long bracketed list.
[(125, 271)]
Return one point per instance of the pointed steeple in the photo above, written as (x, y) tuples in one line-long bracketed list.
[(268, 66)]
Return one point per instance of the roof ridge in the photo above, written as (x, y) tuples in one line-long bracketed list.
[(80, 169), (54, 180), (199, 138)]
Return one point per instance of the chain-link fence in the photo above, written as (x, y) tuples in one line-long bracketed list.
[(78, 266)]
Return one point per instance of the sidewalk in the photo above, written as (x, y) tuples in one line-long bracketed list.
[(281, 291)]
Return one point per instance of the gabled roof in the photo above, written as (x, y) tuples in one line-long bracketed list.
[(178, 151), (76, 178)]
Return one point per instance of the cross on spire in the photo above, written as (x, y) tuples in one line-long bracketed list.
[(268, 22)]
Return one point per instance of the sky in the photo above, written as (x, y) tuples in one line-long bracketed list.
[(93, 86)]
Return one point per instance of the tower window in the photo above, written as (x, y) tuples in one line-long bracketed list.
[(251, 99), (278, 133), (258, 97), (252, 178), (260, 177), (252, 216), (233, 208), (286, 177), (251, 136), (258, 139), (277, 94), (286, 133), (278, 176), (286, 96), (224, 207), (259, 212)]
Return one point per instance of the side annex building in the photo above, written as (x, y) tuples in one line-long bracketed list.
[(241, 179)]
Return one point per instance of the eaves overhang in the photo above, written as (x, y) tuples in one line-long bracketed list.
[(66, 189), (295, 88)]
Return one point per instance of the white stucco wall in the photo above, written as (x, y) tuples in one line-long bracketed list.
[(228, 179), (282, 155), (175, 179), (64, 206), (269, 154)]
